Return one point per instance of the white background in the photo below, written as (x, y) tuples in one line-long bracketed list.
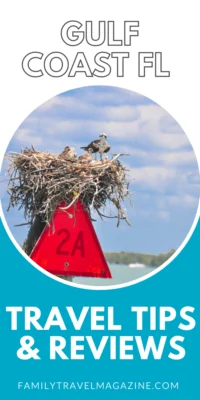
[(168, 26)]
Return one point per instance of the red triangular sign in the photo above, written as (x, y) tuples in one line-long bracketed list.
[(69, 245)]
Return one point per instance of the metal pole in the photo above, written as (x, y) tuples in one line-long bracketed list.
[(34, 233), (66, 278)]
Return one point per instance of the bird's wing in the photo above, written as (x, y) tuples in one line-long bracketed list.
[(107, 149), (95, 144)]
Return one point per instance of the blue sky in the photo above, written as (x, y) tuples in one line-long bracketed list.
[(163, 167)]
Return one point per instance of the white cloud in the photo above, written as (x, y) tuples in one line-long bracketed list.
[(178, 158), (48, 105), (164, 215), (77, 107), (153, 213), (184, 200), (28, 136), (154, 177), (141, 123), (170, 187), (171, 141)]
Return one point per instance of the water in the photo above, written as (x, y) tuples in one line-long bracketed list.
[(120, 274)]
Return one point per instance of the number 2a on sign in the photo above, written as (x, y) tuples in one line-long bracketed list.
[(78, 245)]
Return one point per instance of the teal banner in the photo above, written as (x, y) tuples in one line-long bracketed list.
[(93, 343)]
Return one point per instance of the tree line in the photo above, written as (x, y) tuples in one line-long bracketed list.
[(152, 260)]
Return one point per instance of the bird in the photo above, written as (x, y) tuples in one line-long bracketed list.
[(87, 157), (98, 146), (104, 146), (68, 154)]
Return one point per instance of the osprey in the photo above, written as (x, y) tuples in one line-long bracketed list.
[(68, 154), (87, 157), (98, 146)]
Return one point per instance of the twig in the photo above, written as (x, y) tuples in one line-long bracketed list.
[(25, 223)]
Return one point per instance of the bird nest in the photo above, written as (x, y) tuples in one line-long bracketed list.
[(38, 181)]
